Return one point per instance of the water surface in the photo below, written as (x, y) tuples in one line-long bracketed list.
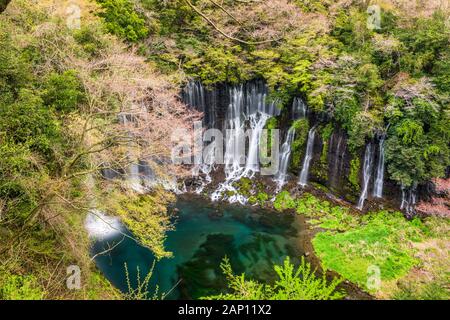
[(204, 234)]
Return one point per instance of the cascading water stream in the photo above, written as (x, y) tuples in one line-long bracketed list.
[(285, 155), (303, 181), (378, 184), (133, 177), (257, 125), (98, 224), (409, 200), (195, 96), (336, 152), (367, 172), (299, 108), (248, 109)]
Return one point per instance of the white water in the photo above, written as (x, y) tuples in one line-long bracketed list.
[(101, 226), (257, 123), (337, 150), (248, 109), (285, 155), (378, 184), (409, 199), (194, 95), (203, 100), (299, 108), (303, 181), (206, 167), (367, 172), (134, 178)]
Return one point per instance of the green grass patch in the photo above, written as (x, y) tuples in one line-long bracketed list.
[(381, 240)]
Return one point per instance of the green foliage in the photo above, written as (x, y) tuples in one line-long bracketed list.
[(381, 240), (284, 201), (301, 127), (262, 198), (63, 92), (216, 65), (244, 186), (325, 215), (27, 122), (292, 284), (122, 20), (18, 287), (353, 177), (141, 290), (313, 5), (325, 133), (425, 41), (146, 217), (91, 38), (363, 125), (417, 145)]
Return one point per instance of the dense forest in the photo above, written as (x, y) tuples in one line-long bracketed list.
[(96, 96)]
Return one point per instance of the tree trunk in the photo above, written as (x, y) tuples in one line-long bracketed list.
[(3, 5)]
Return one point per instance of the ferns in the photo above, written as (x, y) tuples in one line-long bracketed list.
[(292, 284)]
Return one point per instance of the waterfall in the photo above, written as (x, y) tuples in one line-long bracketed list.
[(303, 181), (409, 199), (248, 109), (203, 100), (100, 226), (299, 108), (147, 175), (367, 172), (133, 176), (257, 123), (206, 167), (336, 155), (110, 174), (196, 96), (281, 176), (378, 184)]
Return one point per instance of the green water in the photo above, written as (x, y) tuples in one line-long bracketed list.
[(204, 235)]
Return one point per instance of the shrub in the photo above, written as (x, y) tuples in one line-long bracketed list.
[(284, 201), (292, 284), (18, 287), (122, 20), (63, 92)]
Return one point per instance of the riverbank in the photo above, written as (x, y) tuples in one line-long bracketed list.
[(379, 252)]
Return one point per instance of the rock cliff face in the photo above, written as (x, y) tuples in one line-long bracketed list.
[(331, 163)]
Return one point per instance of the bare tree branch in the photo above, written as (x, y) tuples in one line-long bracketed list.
[(204, 16)]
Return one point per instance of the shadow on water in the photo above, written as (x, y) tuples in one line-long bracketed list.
[(252, 240)]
